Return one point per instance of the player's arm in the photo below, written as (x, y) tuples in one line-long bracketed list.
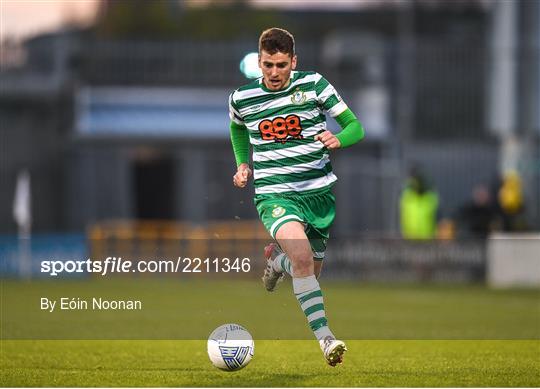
[(351, 129), (351, 132), (240, 145)]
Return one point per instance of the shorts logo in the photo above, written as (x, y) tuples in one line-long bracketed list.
[(278, 211), (298, 97)]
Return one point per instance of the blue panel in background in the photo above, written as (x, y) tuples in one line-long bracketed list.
[(59, 247), (151, 112)]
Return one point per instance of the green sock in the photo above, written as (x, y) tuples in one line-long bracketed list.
[(282, 263), (309, 295)]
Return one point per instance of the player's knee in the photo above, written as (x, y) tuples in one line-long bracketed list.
[(303, 261)]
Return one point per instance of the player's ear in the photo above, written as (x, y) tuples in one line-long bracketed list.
[(293, 62)]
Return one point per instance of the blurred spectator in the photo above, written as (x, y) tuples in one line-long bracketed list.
[(478, 217), (510, 203), (418, 208), (446, 229)]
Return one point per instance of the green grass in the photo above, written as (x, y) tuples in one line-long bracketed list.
[(276, 363), (398, 335), (180, 309)]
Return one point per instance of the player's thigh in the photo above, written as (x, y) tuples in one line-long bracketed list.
[(293, 240)]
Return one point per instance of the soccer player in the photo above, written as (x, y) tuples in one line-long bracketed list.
[(282, 115)]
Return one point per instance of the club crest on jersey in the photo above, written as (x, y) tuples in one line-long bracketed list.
[(298, 97), (278, 211)]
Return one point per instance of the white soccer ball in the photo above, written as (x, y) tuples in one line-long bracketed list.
[(230, 347)]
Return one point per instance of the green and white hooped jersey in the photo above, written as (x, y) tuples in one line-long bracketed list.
[(282, 126)]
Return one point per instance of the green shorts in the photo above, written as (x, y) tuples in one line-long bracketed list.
[(316, 210)]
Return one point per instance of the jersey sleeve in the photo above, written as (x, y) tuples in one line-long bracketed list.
[(234, 113), (328, 98)]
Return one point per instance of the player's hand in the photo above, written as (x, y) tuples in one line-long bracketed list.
[(329, 140), (242, 175)]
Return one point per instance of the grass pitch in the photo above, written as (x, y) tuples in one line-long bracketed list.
[(276, 363), (398, 335)]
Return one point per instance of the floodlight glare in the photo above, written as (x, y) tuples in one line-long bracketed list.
[(249, 66)]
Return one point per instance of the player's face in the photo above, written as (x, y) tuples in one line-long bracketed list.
[(276, 69)]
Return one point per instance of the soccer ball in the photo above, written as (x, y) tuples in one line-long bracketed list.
[(230, 347)]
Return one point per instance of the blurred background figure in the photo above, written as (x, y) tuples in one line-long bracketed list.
[(510, 203), (418, 208), (478, 217)]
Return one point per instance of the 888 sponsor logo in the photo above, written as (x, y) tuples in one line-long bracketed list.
[(281, 128)]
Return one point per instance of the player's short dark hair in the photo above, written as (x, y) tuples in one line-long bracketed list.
[(276, 40)]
